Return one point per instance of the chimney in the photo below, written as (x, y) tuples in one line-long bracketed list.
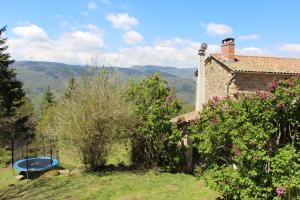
[(227, 49)]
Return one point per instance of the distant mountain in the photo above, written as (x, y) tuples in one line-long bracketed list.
[(179, 72), (38, 75)]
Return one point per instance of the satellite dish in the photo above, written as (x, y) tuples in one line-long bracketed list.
[(204, 46)]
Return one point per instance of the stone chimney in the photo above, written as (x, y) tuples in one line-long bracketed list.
[(200, 79), (227, 49)]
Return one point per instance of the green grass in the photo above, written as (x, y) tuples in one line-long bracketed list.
[(111, 185), (120, 153)]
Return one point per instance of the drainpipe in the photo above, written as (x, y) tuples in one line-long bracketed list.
[(228, 84)]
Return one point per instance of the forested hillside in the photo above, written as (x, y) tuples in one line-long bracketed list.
[(37, 76)]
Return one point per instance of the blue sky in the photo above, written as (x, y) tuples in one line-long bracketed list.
[(125, 33)]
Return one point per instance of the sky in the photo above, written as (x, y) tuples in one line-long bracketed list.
[(166, 33)]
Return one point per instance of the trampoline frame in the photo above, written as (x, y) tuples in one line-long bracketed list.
[(54, 163)]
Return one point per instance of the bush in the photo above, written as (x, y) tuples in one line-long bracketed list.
[(286, 170), (91, 119), (156, 142), (249, 146), (5, 157)]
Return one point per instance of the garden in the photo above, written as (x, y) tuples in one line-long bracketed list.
[(114, 139)]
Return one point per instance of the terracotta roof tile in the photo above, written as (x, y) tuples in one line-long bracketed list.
[(261, 64)]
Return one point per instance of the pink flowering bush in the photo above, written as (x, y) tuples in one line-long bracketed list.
[(249, 146)]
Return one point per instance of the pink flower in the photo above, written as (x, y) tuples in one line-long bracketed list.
[(274, 85), (280, 191), (280, 106), (293, 94), (236, 150), (214, 120), (215, 98), (261, 95), (212, 103)]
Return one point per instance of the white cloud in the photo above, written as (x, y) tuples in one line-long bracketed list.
[(94, 28), (122, 20), (64, 24), (31, 32), (72, 47), (80, 46), (81, 41), (252, 51), (214, 29), (84, 13), (283, 50), (92, 5), (248, 37), (106, 1), (132, 37), (176, 52), (292, 49)]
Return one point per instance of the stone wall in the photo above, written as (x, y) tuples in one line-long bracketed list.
[(250, 83), (216, 80)]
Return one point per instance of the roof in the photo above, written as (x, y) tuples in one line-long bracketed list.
[(260, 64), (185, 118)]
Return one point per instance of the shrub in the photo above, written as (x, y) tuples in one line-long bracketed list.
[(249, 146), (91, 119), (5, 157), (156, 142)]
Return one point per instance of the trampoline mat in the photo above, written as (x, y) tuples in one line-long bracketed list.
[(35, 164)]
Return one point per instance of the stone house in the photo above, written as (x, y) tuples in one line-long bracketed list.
[(225, 74)]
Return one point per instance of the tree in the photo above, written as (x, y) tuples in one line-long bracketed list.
[(95, 117), (10, 88), (13, 121), (71, 87), (155, 141), (48, 99), (47, 109), (5, 126), (25, 120)]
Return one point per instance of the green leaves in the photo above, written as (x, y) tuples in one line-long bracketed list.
[(48, 99), (286, 170), (93, 117), (257, 133), (15, 121), (156, 141)]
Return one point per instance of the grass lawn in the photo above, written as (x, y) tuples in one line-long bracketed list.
[(119, 185), (110, 185)]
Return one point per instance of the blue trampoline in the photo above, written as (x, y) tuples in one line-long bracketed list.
[(35, 164)]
